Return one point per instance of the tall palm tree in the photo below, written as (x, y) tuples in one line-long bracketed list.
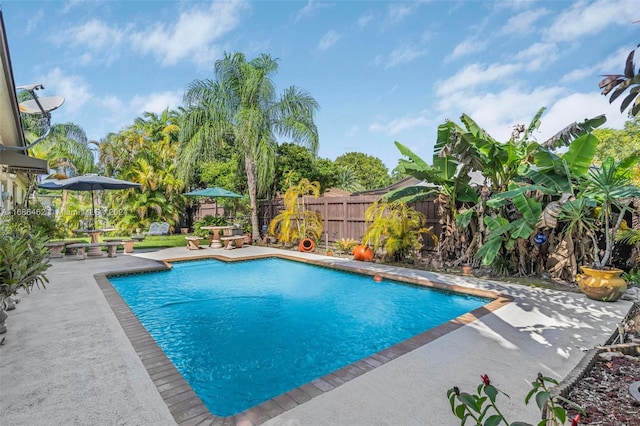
[(240, 110), (67, 151)]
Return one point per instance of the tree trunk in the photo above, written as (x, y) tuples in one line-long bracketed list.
[(250, 169)]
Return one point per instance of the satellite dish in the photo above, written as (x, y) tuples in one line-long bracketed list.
[(30, 87), (48, 104)]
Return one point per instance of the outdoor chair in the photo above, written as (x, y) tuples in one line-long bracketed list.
[(158, 228)]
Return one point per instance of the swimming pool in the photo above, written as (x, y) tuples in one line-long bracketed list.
[(242, 333)]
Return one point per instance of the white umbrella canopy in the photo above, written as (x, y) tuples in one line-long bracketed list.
[(89, 182)]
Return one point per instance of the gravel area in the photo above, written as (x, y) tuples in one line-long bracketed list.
[(604, 392)]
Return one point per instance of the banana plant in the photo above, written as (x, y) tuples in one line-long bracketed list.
[(604, 197), (505, 233), (620, 82)]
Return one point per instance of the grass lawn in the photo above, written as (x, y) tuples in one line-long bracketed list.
[(152, 241)]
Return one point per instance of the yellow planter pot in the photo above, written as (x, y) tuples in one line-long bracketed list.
[(605, 285)]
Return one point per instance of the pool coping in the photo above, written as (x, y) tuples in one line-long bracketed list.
[(188, 409)]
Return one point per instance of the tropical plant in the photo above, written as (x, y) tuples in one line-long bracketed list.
[(482, 409), (23, 261), (345, 245), (239, 110), (396, 228), (630, 236), (144, 152), (67, 151), (347, 179), (621, 82), (296, 222), (604, 197), (514, 181)]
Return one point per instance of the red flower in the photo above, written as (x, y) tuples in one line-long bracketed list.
[(576, 420), (485, 379)]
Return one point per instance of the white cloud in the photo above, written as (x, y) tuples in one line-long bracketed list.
[(352, 131), (398, 125), (73, 88), (523, 23), (588, 18), (364, 20), (578, 74), (404, 54), (466, 47), (192, 36), (102, 41), (156, 102), (311, 7), (578, 107), (33, 22), (474, 75), (612, 64), (498, 112), (615, 62), (538, 55), (399, 11), (328, 40)]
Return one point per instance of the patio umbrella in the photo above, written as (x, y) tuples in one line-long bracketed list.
[(88, 182), (213, 192)]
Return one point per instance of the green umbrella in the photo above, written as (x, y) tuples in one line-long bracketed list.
[(214, 192)]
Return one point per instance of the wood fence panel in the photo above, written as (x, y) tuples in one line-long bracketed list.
[(343, 217)]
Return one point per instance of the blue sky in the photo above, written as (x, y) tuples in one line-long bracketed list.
[(381, 70)]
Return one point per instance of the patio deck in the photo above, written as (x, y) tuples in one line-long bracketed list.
[(67, 360)]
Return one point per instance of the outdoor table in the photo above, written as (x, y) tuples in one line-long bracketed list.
[(214, 238), (94, 249)]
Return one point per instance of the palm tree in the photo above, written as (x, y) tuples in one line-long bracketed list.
[(66, 150), (240, 110)]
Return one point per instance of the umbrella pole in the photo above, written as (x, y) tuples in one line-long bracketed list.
[(93, 210)]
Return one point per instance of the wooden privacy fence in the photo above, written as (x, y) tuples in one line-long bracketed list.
[(343, 217)]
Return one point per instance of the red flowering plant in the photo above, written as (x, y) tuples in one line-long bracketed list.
[(482, 409)]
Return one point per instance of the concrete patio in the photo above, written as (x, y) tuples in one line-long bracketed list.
[(67, 360)]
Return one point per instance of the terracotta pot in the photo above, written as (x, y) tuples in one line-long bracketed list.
[(467, 271), (363, 253), (306, 245), (602, 284)]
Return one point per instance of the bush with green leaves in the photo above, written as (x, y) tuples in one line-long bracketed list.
[(35, 217), (24, 258)]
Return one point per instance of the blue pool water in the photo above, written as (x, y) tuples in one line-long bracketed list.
[(242, 333)]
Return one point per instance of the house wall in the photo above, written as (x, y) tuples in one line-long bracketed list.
[(13, 190)]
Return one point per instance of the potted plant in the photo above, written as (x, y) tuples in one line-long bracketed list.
[(598, 211), (297, 224)]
